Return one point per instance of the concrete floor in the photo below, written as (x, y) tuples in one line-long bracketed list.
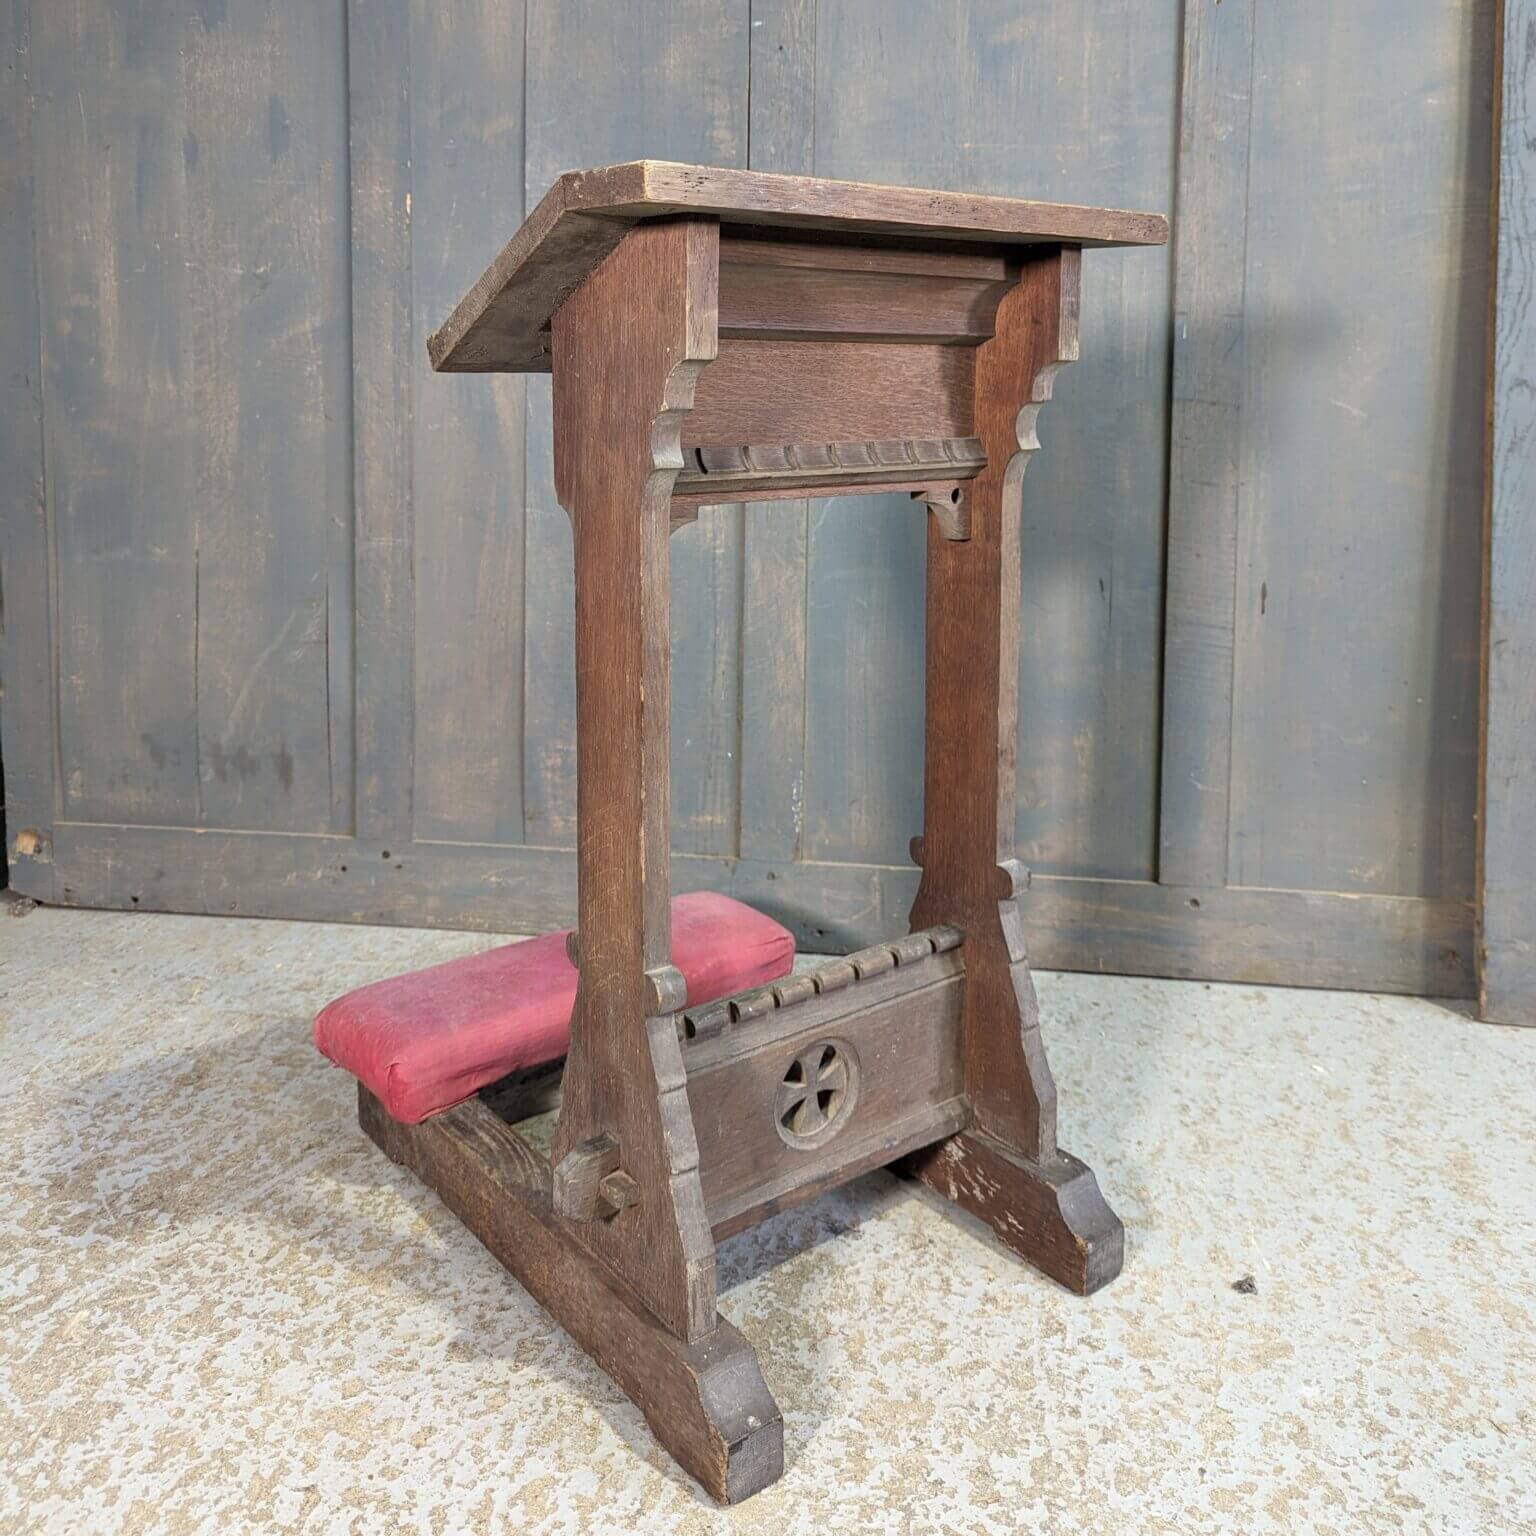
[(222, 1310)]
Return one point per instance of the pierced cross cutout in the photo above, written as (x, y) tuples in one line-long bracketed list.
[(816, 1094)]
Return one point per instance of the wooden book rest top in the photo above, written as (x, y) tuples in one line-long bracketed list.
[(725, 335)]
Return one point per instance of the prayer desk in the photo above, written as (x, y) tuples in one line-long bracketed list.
[(724, 336)]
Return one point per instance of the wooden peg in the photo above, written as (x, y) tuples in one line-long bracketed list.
[(1012, 879), (666, 990), (617, 1192)]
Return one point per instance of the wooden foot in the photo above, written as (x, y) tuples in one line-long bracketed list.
[(1049, 1213), (706, 1402)]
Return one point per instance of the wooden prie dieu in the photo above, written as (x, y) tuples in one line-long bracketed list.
[(729, 336)]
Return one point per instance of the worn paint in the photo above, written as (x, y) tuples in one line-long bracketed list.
[(1354, 722), (674, 86), (287, 585), (1508, 823), (1067, 103)]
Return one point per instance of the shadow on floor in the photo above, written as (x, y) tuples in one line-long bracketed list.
[(256, 1127)]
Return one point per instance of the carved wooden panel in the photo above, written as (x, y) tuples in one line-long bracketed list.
[(893, 1079), (720, 470), (803, 392)]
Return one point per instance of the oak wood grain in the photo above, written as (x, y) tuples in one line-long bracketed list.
[(501, 323), (972, 712), (807, 392), (624, 377), (899, 1028), (781, 291), (970, 878), (1051, 1214)]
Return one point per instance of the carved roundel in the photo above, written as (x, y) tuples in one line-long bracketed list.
[(817, 1094)]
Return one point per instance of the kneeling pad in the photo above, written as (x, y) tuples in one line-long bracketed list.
[(428, 1040)]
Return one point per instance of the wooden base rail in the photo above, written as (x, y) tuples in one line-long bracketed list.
[(706, 1401)]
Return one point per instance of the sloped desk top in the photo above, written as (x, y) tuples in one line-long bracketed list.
[(502, 323)]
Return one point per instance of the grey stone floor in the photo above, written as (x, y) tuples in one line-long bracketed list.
[(222, 1310)]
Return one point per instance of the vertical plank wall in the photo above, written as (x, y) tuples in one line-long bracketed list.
[(26, 600), (194, 370), (1003, 120), (1320, 687), (466, 109), (1508, 927), (673, 78), (288, 618)]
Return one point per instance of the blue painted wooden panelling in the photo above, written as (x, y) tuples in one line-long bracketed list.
[(288, 617), (1037, 100), (1508, 932)]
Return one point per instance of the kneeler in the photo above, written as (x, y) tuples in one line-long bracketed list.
[(423, 1042), (728, 336)]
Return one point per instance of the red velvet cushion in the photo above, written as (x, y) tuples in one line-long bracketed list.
[(426, 1041)]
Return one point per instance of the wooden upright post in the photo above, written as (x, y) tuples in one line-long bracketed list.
[(629, 345), (1007, 1167)]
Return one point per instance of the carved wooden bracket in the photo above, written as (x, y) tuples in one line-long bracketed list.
[(757, 468), (950, 508)]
